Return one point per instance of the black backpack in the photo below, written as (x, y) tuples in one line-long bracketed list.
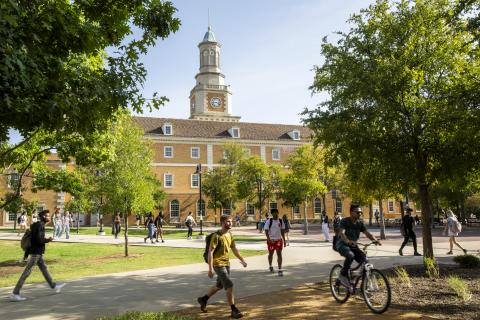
[(271, 221), (26, 241), (208, 239), (19, 219)]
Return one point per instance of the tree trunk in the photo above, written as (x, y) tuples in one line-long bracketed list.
[(402, 209), (15, 222), (382, 221), (426, 219), (305, 220), (126, 234), (324, 204), (370, 213)]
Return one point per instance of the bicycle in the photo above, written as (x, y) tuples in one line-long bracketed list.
[(374, 286)]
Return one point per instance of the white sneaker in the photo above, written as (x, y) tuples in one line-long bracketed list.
[(17, 297), (58, 287)]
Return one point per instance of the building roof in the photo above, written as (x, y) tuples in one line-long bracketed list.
[(188, 128), (209, 36)]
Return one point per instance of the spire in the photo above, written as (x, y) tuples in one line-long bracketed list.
[(209, 36)]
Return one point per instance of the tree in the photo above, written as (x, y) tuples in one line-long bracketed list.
[(302, 181), (58, 79), (401, 84), (126, 180), (219, 186)]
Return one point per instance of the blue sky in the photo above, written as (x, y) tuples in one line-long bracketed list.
[(269, 48)]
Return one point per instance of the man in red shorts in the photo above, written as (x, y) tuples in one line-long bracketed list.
[(275, 232)]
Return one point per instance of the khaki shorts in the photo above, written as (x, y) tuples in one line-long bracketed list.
[(223, 277)]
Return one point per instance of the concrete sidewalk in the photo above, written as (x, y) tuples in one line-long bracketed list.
[(305, 261)]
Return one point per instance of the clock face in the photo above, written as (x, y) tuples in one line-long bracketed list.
[(215, 102)]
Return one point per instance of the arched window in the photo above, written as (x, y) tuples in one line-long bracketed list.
[(201, 208), (296, 212), (204, 58), (317, 206), (174, 210), (211, 60)]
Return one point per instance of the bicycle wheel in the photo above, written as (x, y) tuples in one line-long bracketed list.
[(376, 291), (339, 291)]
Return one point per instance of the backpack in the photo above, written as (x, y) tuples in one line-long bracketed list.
[(456, 226), (19, 219), (208, 239), (271, 221), (188, 223), (26, 241)]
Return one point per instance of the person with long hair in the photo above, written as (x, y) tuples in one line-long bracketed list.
[(451, 232)]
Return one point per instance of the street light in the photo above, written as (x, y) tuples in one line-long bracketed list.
[(100, 214), (200, 207)]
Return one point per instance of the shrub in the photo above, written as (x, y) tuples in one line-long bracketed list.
[(460, 287), (467, 261), (432, 270), (402, 276), (135, 315)]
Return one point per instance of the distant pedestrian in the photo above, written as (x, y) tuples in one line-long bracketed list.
[(150, 225), (159, 222), (219, 261), (286, 223), (325, 228), (34, 217), (262, 222), (336, 222), (275, 232), (117, 225), (57, 224), (417, 219), (377, 216), (66, 224), (190, 222), (452, 228), (409, 233), (237, 220), (138, 218), (22, 223), (36, 251)]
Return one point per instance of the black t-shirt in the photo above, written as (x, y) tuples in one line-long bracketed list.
[(158, 222), (408, 222), (352, 230)]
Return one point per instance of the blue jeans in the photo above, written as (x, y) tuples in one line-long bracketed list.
[(350, 254), (66, 229), (58, 230)]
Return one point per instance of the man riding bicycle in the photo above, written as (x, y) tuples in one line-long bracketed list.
[(346, 245)]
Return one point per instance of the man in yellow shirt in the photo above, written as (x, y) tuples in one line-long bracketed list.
[(218, 260)]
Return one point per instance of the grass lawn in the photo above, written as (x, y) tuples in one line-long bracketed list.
[(76, 260), (168, 233)]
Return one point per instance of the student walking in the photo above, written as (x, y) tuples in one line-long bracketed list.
[(325, 229), (159, 225), (190, 222), (57, 224), (150, 225), (22, 223), (452, 229), (218, 260), (286, 223), (138, 218), (36, 251), (117, 225), (66, 224), (275, 232), (408, 223), (237, 220)]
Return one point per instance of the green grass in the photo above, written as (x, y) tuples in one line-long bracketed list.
[(76, 260), (460, 287), (134, 315), (168, 233)]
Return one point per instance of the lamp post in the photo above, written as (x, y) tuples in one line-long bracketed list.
[(98, 173), (200, 207)]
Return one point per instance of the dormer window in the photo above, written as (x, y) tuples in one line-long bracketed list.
[(295, 134), (234, 132), (167, 129)]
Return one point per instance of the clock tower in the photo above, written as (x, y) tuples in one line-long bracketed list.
[(211, 99)]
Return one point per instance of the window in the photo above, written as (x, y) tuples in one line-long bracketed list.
[(168, 152), (338, 205), (250, 209), (11, 216), (317, 205), (201, 208), (273, 205), (234, 132), (195, 153), (167, 129), (195, 180), (13, 179), (168, 180), (296, 135), (296, 212), (391, 205), (334, 194), (175, 209), (226, 211), (276, 154)]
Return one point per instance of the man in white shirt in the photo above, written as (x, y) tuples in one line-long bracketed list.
[(275, 232)]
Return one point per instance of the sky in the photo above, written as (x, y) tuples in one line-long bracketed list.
[(269, 48)]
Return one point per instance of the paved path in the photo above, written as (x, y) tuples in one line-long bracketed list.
[(307, 260)]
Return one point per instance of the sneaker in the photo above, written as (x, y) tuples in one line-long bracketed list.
[(449, 252), (417, 254), (157, 241), (280, 273), (163, 241), (17, 297), (400, 252), (58, 287), (271, 269), (203, 304), (236, 314), (344, 280)]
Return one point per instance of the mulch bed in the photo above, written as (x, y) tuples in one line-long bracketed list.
[(434, 297)]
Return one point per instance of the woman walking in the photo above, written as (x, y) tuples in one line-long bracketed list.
[(150, 225), (286, 223), (326, 236), (117, 225), (452, 230)]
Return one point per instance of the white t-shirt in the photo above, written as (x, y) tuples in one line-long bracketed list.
[(190, 220), (274, 232)]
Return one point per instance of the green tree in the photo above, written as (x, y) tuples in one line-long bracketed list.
[(397, 83), (219, 186), (302, 182)]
